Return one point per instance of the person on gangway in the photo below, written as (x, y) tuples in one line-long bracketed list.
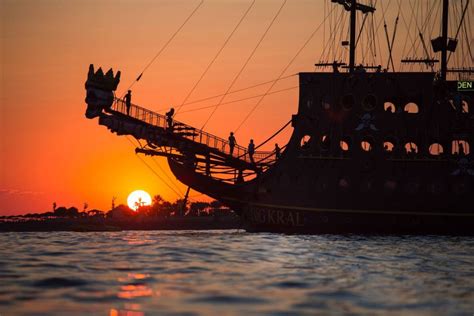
[(232, 143), (251, 151), (128, 101), (277, 152), (169, 118)]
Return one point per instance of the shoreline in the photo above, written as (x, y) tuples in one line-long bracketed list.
[(101, 224)]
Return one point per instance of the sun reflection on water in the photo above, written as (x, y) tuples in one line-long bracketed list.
[(131, 289), (120, 312)]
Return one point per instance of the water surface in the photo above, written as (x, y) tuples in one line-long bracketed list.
[(233, 273)]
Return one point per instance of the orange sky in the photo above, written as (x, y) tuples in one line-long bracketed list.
[(51, 153)]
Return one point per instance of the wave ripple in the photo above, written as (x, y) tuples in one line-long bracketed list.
[(234, 273)]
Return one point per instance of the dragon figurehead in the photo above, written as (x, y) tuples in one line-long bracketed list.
[(100, 90)]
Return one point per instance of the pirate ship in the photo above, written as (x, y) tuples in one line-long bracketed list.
[(371, 151)]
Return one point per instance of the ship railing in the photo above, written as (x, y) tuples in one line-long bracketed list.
[(191, 133)]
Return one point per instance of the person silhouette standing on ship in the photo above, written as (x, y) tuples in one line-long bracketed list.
[(232, 143), (169, 118), (128, 101), (251, 151), (277, 152)]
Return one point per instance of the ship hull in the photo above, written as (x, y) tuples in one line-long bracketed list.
[(260, 214), (296, 220)]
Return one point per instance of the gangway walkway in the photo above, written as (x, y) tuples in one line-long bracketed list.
[(218, 145)]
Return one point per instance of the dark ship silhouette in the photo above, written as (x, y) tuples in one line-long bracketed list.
[(371, 151)]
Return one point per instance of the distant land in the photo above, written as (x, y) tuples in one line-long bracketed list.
[(160, 215)]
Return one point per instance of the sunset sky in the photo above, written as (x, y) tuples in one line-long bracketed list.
[(51, 153)]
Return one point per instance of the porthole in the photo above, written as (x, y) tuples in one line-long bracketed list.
[(344, 184), (451, 102), (325, 143), (412, 187), (411, 108), (390, 185), (348, 102), (389, 107), (465, 106), (305, 142), (367, 144), (366, 186), (411, 148), (436, 149), (369, 102), (344, 145), (325, 104), (460, 147), (388, 146)]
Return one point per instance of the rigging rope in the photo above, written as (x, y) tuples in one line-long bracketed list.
[(167, 176), (215, 57), (152, 170), (460, 25), (239, 100), (282, 72), (165, 45), (246, 62), (382, 19), (275, 134), (408, 28), (231, 92), (468, 42)]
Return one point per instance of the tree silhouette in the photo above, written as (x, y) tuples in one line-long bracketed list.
[(197, 208)]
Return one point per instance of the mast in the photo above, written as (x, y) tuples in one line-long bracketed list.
[(444, 36), (353, 36), (352, 6)]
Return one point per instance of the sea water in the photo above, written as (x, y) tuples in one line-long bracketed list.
[(233, 273)]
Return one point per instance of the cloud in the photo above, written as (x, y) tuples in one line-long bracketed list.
[(18, 192)]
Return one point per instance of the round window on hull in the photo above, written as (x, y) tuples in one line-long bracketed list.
[(344, 145), (460, 147), (369, 102), (465, 107), (411, 108), (348, 102), (388, 146), (436, 149), (412, 187), (304, 142), (390, 185), (325, 103), (344, 184), (389, 107), (411, 148), (367, 144), (325, 143)]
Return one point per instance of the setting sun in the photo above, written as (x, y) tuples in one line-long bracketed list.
[(138, 198)]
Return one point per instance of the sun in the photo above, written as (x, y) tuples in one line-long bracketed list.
[(138, 198)]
